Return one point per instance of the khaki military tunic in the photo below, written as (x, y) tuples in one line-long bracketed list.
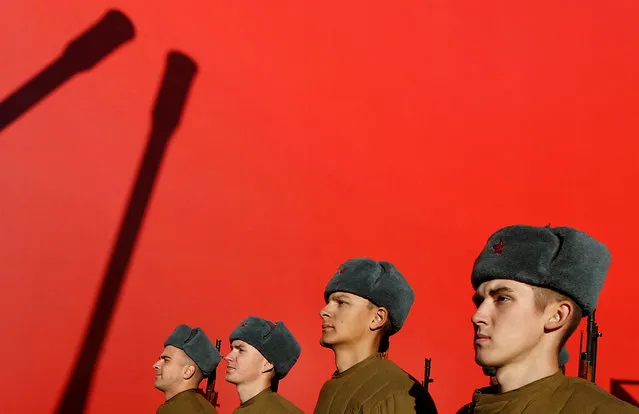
[(187, 402), (267, 402), (373, 386), (551, 395)]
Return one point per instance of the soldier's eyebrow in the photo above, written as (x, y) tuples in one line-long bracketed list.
[(478, 298), (165, 357), (503, 290)]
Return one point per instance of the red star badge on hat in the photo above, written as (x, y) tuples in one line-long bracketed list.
[(244, 325), (497, 248)]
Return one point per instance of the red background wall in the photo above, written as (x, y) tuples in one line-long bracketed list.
[(313, 133)]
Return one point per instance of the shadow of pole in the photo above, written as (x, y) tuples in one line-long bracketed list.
[(178, 76), (81, 54)]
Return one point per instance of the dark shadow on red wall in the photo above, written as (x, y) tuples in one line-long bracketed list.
[(178, 76), (83, 53), (618, 390)]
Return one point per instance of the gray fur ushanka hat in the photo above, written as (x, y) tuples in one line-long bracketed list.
[(562, 259), (379, 282), (274, 341), (197, 346)]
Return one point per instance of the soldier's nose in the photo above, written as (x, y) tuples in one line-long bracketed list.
[(478, 318)]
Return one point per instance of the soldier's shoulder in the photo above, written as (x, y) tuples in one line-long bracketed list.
[(398, 375), (588, 393), (581, 386), (393, 384), (285, 406), (388, 367)]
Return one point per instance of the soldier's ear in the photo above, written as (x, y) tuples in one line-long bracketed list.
[(379, 319), (267, 366), (189, 371), (559, 315)]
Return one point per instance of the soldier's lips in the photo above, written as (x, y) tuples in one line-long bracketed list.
[(326, 327), (481, 338)]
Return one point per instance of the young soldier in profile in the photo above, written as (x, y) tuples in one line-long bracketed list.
[(188, 358), (262, 353), (366, 302), (532, 287)]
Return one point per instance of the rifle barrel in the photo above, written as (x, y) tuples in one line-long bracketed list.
[(589, 337), (427, 378), (211, 394)]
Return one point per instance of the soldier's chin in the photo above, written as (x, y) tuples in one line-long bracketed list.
[(158, 384), (229, 378), (484, 360), (326, 343)]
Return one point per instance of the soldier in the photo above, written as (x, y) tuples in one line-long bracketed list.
[(532, 287), (187, 359), (367, 302), (262, 353)]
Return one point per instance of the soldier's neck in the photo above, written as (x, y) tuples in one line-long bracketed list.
[(535, 366), (181, 388), (250, 390), (347, 355)]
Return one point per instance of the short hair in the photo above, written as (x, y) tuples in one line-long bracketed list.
[(545, 297)]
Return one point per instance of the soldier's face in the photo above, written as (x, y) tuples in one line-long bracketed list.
[(508, 326), (170, 368), (245, 364), (345, 319)]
